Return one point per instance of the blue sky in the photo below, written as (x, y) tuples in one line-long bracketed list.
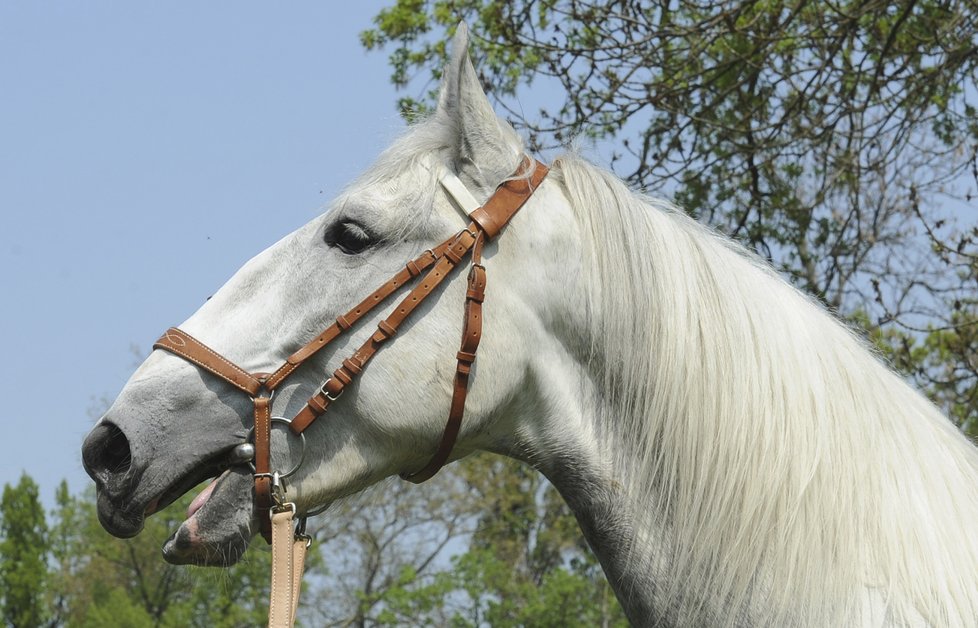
[(147, 150)]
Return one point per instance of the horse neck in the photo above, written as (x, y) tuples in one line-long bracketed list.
[(579, 458), (732, 447)]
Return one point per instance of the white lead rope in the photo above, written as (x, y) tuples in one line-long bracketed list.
[(288, 563)]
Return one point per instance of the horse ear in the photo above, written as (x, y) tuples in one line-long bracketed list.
[(485, 148)]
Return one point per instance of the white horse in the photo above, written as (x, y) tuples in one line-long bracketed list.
[(734, 454)]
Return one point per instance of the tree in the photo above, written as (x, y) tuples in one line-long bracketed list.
[(62, 585), (126, 582), (23, 550), (830, 137), (382, 550), (528, 563), (486, 540)]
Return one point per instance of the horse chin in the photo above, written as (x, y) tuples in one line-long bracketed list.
[(216, 532)]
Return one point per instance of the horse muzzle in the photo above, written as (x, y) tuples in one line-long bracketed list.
[(107, 457)]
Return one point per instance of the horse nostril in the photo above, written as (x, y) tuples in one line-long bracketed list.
[(106, 452)]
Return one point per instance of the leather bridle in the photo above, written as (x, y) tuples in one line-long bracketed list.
[(486, 222)]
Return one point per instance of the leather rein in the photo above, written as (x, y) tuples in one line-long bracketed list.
[(275, 513)]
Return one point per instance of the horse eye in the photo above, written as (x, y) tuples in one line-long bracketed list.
[(348, 236)]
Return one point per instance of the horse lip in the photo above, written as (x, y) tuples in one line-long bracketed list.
[(120, 522), (211, 467), (219, 532)]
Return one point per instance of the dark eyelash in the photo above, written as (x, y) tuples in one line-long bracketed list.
[(349, 236)]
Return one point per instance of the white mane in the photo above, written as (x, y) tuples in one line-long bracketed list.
[(792, 473), (790, 470)]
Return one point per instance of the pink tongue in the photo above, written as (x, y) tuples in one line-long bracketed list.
[(201, 498)]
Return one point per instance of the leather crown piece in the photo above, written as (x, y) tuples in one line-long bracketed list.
[(486, 223)]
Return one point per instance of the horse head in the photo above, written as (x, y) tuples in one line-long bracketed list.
[(175, 425)]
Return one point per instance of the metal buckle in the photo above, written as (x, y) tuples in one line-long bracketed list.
[(326, 394), (283, 506), (300, 531), (278, 488), (458, 236)]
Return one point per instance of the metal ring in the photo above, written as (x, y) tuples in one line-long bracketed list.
[(271, 394), (302, 441)]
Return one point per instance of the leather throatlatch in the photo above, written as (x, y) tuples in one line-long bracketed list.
[(436, 264)]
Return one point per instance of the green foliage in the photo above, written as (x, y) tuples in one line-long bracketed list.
[(765, 113), (519, 557), (566, 595), (65, 563), (162, 594), (23, 567), (72, 573), (528, 564), (944, 360), (114, 608), (521, 562)]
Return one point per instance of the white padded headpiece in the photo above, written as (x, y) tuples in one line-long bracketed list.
[(460, 194)]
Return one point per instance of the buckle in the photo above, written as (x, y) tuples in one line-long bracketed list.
[(300, 531), (283, 506), (278, 490), (325, 392)]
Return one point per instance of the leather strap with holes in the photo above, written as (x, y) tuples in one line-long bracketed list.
[(386, 329), (471, 335), (487, 222)]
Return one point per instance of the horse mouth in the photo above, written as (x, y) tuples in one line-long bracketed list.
[(211, 468), (219, 522)]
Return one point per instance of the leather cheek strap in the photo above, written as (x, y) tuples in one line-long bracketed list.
[(460, 245), (471, 335), (263, 464), (345, 321)]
